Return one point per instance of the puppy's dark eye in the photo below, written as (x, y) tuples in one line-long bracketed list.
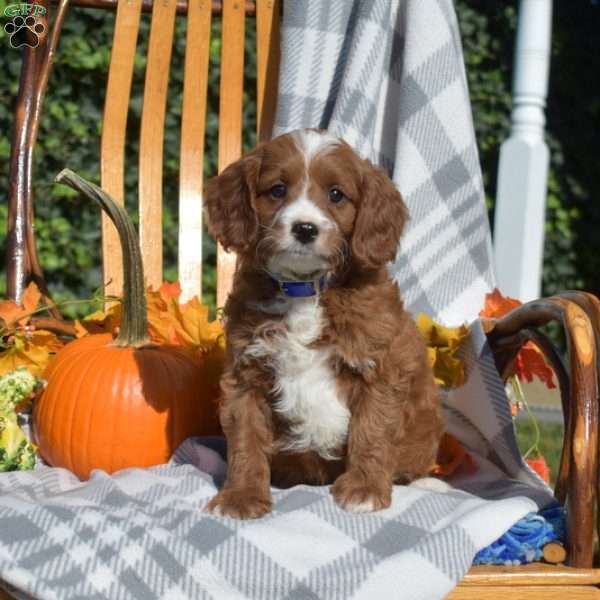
[(279, 190), (336, 195)]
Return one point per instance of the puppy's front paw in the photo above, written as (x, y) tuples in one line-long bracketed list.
[(240, 504), (357, 494)]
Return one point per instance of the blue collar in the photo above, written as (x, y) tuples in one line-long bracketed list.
[(302, 289)]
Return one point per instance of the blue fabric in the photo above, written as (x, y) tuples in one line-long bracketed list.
[(524, 541)]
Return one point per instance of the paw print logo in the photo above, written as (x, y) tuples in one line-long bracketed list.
[(24, 31)]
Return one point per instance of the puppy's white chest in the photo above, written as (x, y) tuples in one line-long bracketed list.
[(305, 385)]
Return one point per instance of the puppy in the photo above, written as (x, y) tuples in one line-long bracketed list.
[(326, 377)]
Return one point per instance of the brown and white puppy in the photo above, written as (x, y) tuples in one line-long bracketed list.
[(333, 387)]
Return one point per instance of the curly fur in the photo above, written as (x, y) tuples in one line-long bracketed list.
[(336, 389)]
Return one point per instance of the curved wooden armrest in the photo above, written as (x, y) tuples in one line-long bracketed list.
[(579, 315)]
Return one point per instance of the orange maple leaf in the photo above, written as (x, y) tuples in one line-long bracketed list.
[(497, 305), (11, 313), (31, 297), (540, 466), (188, 325), (170, 289), (170, 322), (530, 361)]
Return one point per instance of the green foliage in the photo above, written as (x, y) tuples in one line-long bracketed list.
[(68, 231)]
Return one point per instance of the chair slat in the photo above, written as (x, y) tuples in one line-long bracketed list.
[(193, 120), (152, 138), (112, 161), (230, 117), (267, 59)]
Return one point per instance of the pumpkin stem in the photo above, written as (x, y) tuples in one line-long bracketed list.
[(134, 321)]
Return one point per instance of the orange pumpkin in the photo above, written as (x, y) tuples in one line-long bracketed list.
[(122, 402)]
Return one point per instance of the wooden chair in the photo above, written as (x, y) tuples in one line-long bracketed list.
[(578, 313)]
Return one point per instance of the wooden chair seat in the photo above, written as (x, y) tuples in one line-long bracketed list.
[(578, 313), (528, 582)]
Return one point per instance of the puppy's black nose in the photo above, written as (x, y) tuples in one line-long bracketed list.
[(305, 233)]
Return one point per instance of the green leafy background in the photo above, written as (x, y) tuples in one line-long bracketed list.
[(68, 230)]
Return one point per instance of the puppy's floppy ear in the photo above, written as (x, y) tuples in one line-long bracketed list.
[(229, 203), (381, 217)]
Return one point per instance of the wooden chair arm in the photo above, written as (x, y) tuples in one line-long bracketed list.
[(579, 315)]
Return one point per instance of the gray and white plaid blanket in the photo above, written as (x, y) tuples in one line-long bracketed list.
[(388, 76)]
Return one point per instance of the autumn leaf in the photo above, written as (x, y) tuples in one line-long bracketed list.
[(11, 313), (442, 345), (31, 297), (497, 305), (188, 325), (530, 361), (540, 466), (439, 336), (451, 457), (448, 370), (100, 321), (170, 290), (31, 349), (170, 322), (21, 344)]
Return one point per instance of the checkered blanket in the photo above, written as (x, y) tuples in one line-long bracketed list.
[(387, 76)]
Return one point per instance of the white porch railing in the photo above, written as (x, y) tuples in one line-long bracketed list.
[(523, 169)]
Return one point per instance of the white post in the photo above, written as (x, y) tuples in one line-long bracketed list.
[(523, 169)]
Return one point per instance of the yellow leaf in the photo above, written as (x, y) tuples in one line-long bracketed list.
[(99, 321), (431, 355), (32, 350), (448, 370), (180, 324), (442, 344), (439, 336)]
